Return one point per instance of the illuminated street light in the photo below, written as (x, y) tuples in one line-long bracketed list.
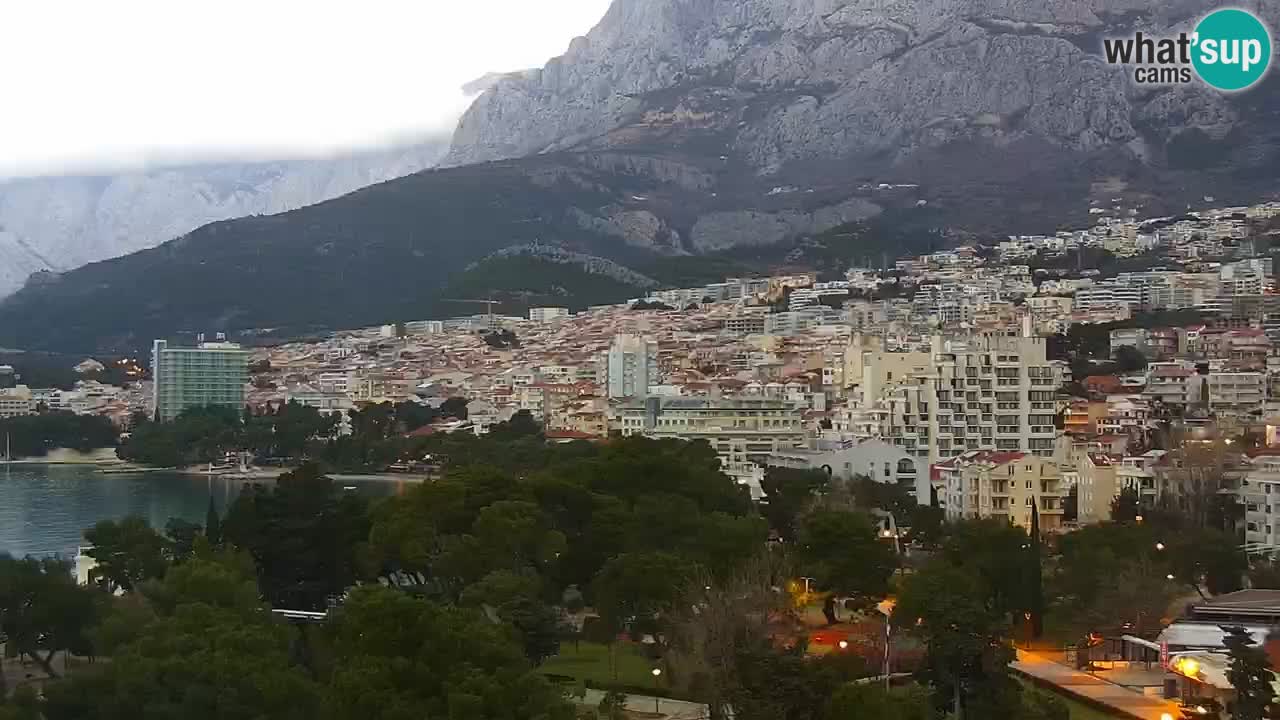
[(656, 673), (1159, 546), (844, 644), (1169, 576)]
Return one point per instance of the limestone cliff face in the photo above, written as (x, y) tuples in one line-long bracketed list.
[(786, 81)]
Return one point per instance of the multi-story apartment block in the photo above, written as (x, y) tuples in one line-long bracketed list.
[(16, 401), (1096, 486), (744, 432), (747, 322), (211, 374), (632, 366), (547, 314), (1004, 485), (1261, 497), (993, 393)]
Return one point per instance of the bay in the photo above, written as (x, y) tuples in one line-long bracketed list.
[(44, 509)]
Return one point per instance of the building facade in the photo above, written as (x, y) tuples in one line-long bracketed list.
[(211, 374), (632, 366), (875, 459), (744, 432), (1002, 485), (990, 393)]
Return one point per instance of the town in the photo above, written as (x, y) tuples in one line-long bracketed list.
[(1016, 382)]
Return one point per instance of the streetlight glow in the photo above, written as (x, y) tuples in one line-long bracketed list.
[(844, 644), (656, 672), (1159, 546)]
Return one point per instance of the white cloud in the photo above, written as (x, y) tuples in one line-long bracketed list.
[(97, 85)]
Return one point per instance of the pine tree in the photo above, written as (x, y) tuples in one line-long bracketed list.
[(1250, 674), (212, 524), (1035, 594)]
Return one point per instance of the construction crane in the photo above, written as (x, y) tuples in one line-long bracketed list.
[(489, 303)]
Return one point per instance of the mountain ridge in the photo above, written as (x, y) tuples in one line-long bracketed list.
[(57, 224), (681, 129)]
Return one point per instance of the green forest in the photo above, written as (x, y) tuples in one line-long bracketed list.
[(36, 435), (458, 597)]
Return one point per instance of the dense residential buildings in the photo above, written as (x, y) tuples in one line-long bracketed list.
[(210, 374), (939, 375)]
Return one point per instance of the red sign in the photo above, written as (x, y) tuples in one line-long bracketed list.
[(1164, 655)]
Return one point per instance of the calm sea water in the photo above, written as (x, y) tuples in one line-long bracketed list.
[(45, 508)]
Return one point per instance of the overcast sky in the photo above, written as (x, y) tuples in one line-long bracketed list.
[(93, 86)]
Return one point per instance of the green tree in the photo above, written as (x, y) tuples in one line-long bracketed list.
[(42, 610), (1250, 674), (395, 656), (514, 534), (455, 407), (181, 537), (997, 553), (1129, 359), (1126, 507), (1035, 578), (788, 494), (212, 524), (872, 700), (843, 551), (639, 586), (127, 552), (305, 535), (207, 648), (968, 649)]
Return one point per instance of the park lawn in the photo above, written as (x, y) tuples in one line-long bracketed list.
[(590, 662)]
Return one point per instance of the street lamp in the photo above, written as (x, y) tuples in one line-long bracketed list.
[(1169, 576), (844, 644), (1159, 546), (657, 672)]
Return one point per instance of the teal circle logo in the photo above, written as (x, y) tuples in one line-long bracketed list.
[(1231, 49)]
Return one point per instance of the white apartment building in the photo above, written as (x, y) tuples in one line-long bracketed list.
[(1174, 383), (874, 459), (547, 314), (1261, 497), (16, 402), (632, 366), (991, 393), (744, 432)]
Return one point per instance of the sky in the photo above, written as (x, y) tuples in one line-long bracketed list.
[(101, 86)]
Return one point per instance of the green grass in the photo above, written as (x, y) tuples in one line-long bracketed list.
[(590, 662)]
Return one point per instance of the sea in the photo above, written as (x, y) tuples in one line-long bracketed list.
[(45, 509)]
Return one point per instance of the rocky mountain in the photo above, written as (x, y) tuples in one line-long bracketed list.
[(954, 94), (61, 223), (681, 134)]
